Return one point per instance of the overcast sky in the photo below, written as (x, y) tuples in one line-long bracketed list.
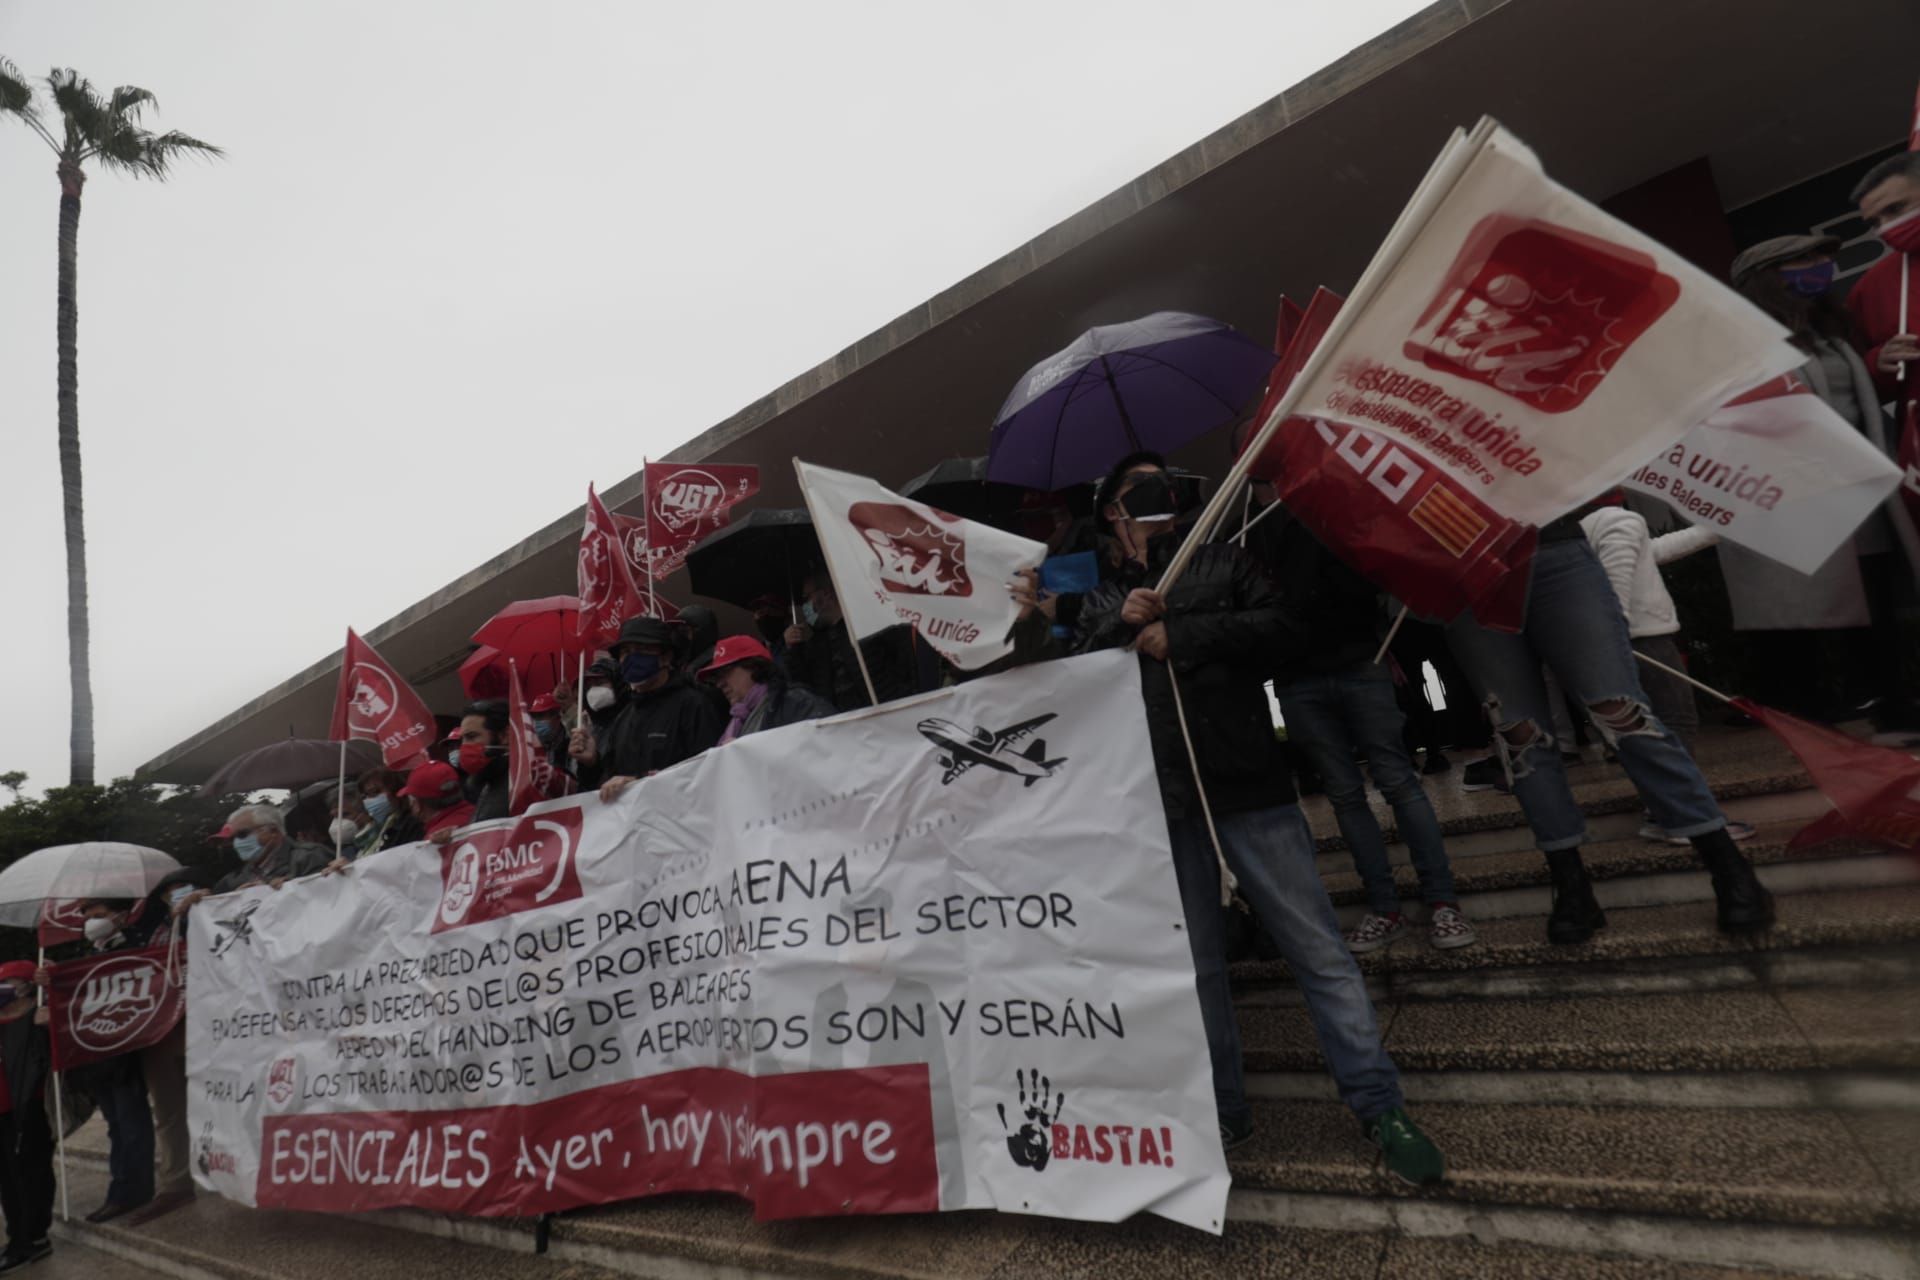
[(466, 256)]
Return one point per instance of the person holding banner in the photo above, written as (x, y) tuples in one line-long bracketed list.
[(117, 1085), (1573, 624), (267, 856), (26, 1139), (1205, 651), (665, 719), (439, 800), (1839, 626)]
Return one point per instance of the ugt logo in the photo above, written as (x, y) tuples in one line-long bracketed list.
[(283, 1081), (505, 870), (117, 1001), (916, 555), (1031, 1145), (1539, 312), (686, 498), (373, 698)]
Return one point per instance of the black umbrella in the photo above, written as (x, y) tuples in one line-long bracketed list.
[(959, 487), (290, 764), (768, 553)]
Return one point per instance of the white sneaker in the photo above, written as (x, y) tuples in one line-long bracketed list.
[(1376, 932), (1449, 928)]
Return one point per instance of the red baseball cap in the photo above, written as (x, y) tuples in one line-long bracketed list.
[(542, 703), (224, 833), (433, 781), (734, 649), (453, 735)]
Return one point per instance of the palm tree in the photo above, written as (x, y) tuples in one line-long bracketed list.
[(106, 131)]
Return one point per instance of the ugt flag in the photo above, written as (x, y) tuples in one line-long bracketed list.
[(895, 560), (685, 503), (1414, 529), (1530, 345), (1776, 471), (608, 596), (1875, 790), (373, 703), (531, 776), (633, 540), (105, 1005)]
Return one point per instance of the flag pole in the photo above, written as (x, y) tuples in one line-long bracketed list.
[(1906, 274), (339, 795), (59, 1105), (1442, 176), (1704, 688), (806, 497), (1392, 631)]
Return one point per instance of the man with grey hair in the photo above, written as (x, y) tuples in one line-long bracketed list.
[(267, 855)]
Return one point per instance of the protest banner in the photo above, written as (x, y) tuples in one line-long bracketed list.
[(374, 704), (1776, 471), (1522, 339), (105, 1005), (606, 587), (686, 503), (926, 956), (895, 560)]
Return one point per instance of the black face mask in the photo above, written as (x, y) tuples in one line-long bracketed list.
[(1150, 499)]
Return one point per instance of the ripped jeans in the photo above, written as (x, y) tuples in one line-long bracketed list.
[(1574, 626)]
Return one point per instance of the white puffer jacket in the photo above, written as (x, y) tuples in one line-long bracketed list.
[(1632, 558)]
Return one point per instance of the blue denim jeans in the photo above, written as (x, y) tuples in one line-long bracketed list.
[(129, 1138), (1270, 852), (1574, 626), (1328, 717)]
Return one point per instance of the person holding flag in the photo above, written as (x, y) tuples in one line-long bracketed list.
[(1882, 300), (1206, 648), (665, 719)]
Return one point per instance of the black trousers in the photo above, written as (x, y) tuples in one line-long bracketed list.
[(26, 1174)]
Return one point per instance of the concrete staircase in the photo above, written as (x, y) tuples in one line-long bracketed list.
[(1663, 1101)]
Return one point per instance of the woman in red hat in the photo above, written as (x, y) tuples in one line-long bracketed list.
[(758, 695)]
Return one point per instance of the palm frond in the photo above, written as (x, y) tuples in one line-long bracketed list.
[(16, 95), (81, 108), (129, 101)]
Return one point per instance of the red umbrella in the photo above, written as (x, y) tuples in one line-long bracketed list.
[(528, 628), (484, 673)]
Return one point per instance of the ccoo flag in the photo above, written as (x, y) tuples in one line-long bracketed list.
[(374, 704), (895, 560)]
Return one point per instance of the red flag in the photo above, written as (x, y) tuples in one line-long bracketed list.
[(608, 596), (633, 539), (1875, 790), (686, 503), (1395, 518), (374, 704), (61, 921), (109, 1004), (531, 776)]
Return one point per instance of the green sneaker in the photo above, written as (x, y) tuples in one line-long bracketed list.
[(1410, 1154)]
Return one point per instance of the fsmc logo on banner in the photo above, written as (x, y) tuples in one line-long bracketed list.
[(118, 1000), (1539, 312), (371, 708), (505, 870)]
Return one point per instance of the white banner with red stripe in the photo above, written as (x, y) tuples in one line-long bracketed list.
[(863, 965)]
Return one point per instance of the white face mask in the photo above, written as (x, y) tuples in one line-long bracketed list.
[(599, 697), (343, 830), (100, 929)]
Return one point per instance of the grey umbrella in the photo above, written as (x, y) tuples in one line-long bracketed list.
[(289, 765), (66, 872)]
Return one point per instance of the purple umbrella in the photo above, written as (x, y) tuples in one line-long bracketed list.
[(1158, 382)]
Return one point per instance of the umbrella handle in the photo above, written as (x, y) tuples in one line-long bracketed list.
[(1120, 407)]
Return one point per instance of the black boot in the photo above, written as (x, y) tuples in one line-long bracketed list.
[(1744, 904), (1575, 914)]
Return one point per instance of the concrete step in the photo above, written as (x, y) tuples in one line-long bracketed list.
[(1795, 1048), (1636, 873), (1854, 936), (1753, 776), (715, 1238), (1812, 1168), (215, 1239)]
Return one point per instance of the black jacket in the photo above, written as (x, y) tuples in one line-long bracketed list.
[(1226, 627), (789, 704), (654, 731), (1316, 584), (825, 663), (489, 791), (27, 1058)]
